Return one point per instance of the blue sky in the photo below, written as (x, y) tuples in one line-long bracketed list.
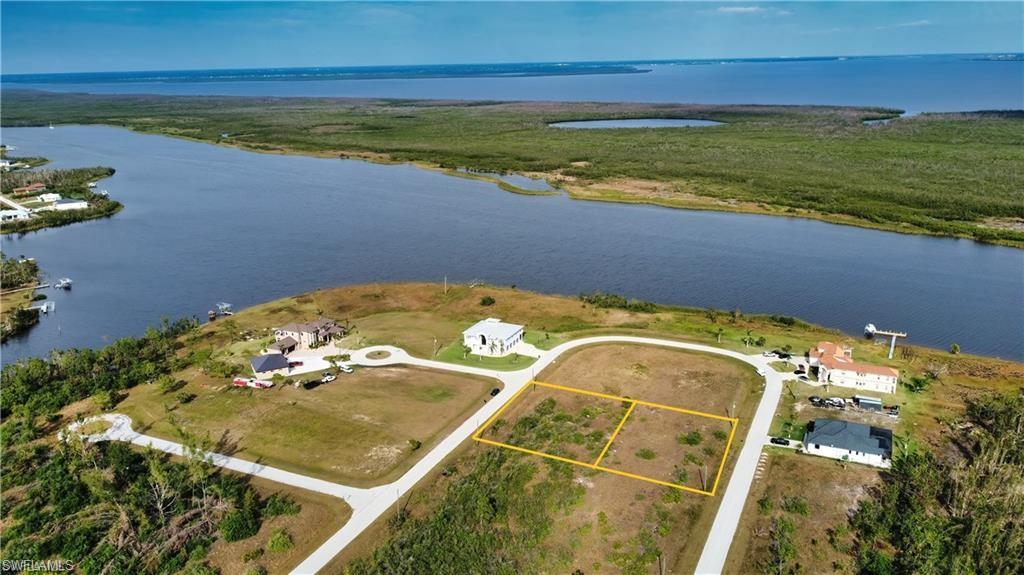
[(121, 36)]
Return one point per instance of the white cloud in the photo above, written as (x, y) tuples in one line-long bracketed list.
[(740, 9)]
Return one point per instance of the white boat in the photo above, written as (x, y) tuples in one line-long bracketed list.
[(63, 283)]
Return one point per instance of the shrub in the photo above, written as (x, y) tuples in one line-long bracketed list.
[(277, 505), (692, 438), (765, 505), (280, 541), (646, 453), (415, 444), (954, 349), (185, 397), (252, 554), (720, 435), (795, 504), (487, 301), (256, 570), (603, 300)]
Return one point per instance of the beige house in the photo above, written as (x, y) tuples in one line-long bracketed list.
[(836, 366), (305, 335)]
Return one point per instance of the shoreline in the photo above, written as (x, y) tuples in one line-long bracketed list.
[(599, 195)]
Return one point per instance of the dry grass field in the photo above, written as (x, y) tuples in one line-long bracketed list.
[(356, 430), (816, 494), (320, 516), (616, 510)]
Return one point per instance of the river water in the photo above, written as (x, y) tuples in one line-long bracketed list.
[(204, 224)]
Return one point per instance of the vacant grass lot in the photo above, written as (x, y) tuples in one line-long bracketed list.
[(667, 445), (948, 174), (320, 516), (357, 430), (579, 430), (813, 493), (628, 506)]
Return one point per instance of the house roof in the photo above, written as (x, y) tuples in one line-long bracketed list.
[(833, 356), (268, 362), (493, 328), (283, 343), (30, 187), (320, 324), (850, 436), (70, 201)]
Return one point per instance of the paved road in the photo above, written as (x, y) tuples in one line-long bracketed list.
[(369, 504), (716, 548), (121, 430)]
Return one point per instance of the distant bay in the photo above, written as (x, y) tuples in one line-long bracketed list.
[(940, 83)]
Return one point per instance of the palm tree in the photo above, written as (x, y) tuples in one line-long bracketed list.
[(749, 337), (718, 334)]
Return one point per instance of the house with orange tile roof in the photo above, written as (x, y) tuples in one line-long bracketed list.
[(836, 366)]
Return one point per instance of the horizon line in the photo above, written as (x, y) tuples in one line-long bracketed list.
[(521, 63)]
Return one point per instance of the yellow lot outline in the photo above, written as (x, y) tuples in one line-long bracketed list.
[(734, 422)]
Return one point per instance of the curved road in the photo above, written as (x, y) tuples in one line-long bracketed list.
[(369, 504)]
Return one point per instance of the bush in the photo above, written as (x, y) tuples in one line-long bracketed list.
[(415, 444), (602, 300), (252, 554), (692, 438), (256, 570), (646, 453), (795, 504), (277, 505), (280, 541), (487, 301), (242, 522)]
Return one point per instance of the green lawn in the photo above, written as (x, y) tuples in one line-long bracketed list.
[(454, 353)]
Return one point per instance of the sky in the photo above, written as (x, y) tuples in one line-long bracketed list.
[(126, 36)]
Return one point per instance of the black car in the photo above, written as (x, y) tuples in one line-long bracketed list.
[(780, 441), (495, 391)]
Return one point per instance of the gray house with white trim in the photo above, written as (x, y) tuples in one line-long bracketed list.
[(849, 441)]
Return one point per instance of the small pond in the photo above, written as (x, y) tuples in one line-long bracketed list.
[(636, 123)]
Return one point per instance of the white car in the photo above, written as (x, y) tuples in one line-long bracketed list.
[(345, 369), (328, 378), (768, 353)]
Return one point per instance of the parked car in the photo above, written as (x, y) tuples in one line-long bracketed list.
[(328, 378), (252, 382), (780, 441), (816, 401), (345, 369), (836, 402), (768, 353), (495, 391)]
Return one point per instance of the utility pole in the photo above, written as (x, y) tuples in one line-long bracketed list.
[(446, 285)]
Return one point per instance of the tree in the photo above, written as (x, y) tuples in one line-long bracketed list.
[(954, 349), (487, 301), (712, 314), (718, 334)]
